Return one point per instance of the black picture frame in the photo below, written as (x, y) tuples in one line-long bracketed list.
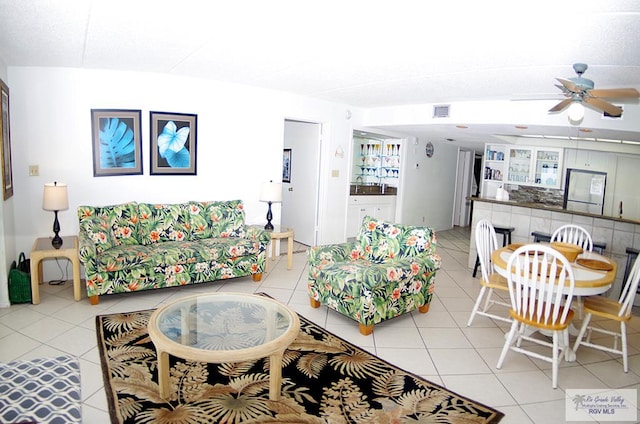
[(173, 143), (117, 142), (5, 142), (286, 165)]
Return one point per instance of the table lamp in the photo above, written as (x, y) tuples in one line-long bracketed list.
[(55, 199), (271, 193)]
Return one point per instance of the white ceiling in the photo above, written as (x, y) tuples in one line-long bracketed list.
[(364, 53)]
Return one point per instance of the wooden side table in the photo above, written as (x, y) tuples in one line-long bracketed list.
[(278, 233), (42, 249)]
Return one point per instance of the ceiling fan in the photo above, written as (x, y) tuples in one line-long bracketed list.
[(580, 90)]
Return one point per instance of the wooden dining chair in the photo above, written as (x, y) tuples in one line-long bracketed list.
[(610, 309), (486, 243), (574, 234), (541, 284)]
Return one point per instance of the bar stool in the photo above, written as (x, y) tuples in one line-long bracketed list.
[(506, 239), (632, 254)]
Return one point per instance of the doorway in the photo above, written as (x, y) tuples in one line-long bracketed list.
[(300, 194), (464, 188)]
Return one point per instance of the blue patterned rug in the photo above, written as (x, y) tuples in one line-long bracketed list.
[(40, 391), (325, 380)]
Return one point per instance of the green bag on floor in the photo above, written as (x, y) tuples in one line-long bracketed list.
[(20, 280)]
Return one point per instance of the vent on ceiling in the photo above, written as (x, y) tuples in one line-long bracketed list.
[(441, 111)]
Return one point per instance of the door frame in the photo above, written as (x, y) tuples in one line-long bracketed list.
[(318, 180)]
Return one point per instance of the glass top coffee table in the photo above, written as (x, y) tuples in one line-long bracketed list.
[(223, 327)]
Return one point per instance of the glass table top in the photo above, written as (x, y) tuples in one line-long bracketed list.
[(224, 321)]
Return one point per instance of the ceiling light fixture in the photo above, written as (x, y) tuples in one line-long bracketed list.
[(576, 112), (521, 127), (461, 126)]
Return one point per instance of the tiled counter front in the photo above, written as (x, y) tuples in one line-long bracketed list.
[(617, 235)]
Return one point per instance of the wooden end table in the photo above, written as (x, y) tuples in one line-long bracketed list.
[(278, 233), (223, 327), (42, 249)]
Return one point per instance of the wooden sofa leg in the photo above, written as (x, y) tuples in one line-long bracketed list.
[(424, 308), (93, 300), (314, 303), (257, 277), (365, 330)]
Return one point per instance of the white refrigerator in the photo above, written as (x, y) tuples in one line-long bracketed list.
[(584, 191)]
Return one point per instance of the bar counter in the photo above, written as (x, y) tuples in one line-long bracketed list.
[(617, 234), (552, 208)]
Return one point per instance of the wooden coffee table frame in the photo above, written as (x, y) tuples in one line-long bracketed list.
[(274, 349)]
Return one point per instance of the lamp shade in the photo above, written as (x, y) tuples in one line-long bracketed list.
[(55, 197), (271, 192)]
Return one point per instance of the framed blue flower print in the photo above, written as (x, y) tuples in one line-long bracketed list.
[(173, 143), (117, 142)]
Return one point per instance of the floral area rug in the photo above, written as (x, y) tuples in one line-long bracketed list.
[(325, 379)]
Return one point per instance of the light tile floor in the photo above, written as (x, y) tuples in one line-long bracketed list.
[(437, 345)]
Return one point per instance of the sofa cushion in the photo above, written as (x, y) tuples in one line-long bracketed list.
[(382, 241), (216, 219), (126, 256), (122, 220), (224, 248), (163, 222)]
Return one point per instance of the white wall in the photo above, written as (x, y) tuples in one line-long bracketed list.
[(239, 144), (428, 189)]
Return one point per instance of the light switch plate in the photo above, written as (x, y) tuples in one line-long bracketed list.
[(34, 170)]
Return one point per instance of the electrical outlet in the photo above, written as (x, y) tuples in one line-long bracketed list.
[(34, 170)]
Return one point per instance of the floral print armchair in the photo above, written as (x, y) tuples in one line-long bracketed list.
[(388, 271), (139, 246)]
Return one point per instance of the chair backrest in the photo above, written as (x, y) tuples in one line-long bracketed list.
[(574, 234), (628, 294), (486, 243), (541, 284)]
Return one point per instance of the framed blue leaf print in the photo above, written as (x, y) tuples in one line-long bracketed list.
[(117, 142), (173, 143)]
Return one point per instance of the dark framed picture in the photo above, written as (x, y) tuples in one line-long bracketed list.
[(7, 173), (117, 142), (173, 143), (286, 166)]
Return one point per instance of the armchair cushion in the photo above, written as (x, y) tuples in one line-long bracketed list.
[(382, 241)]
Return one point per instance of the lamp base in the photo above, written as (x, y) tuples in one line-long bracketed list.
[(269, 225), (56, 241)]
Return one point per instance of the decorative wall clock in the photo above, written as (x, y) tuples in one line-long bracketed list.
[(429, 149)]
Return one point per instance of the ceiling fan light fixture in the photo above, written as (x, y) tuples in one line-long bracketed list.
[(576, 112)]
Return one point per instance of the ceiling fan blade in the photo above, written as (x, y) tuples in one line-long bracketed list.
[(615, 93), (561, 105), (605, 106), (569, 85)]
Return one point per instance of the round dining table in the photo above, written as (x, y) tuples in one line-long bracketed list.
[(588, 281)]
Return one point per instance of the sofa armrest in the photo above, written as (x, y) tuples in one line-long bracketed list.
[(319, 256), (258, 234), (87, 253)]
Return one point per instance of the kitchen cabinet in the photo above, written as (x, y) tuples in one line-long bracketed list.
[(379, 207), (533, 166), (495, 156), (494, 160), (376, 161)]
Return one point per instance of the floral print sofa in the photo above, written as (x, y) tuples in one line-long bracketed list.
[(139, 246), (388, 271)]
